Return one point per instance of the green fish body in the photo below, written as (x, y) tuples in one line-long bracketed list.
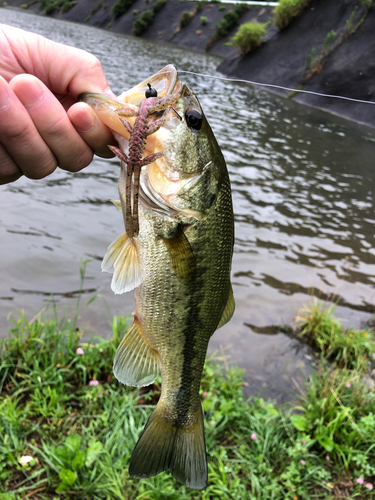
[(180, 265)]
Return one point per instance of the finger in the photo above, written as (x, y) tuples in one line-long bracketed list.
[(62, 68), (9, 172), (91, 129), (20, 138), (52, 123)]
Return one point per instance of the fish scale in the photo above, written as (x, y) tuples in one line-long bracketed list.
[(179, 264)]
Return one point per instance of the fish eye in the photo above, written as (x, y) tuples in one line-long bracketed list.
[(194, 119)]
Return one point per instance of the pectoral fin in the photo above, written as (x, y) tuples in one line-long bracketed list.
[(135, 363), (181, 254), (117, 204), (113, 252), (122, 259), (228, 310), (127, 272)]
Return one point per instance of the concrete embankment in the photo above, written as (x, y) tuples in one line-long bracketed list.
[(298, 57)]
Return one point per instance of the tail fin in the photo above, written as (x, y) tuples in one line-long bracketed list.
[(179, 448)]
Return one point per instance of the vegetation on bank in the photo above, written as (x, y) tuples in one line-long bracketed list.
[(122, 6), (185, 18), (287, 10), (249, 36), (49, 6), (227, 23), (142, 22), (95, 9), (68, 428), (315, 62), (348, 348)]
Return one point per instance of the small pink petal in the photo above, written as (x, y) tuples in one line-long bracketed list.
[(328, 458), (303, 441), (94, 382), (348, 385), (369, 486), (303, 462), (360, 480), (254, 436), (205, 394), (80, 351)]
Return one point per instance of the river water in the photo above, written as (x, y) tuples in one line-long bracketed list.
[(302, 182)]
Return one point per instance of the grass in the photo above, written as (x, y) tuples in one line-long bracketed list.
[(94, 10), (142, 22), (353, 349), (185, 19), (49, 6), (333, 40), (249, 36), (227, 23), (122, 6), (287, 10), (64, 437)]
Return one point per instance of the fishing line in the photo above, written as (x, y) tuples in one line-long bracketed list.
[(236, 80)]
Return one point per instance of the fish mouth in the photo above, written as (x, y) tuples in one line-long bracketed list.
[(165, 81), (159, 183)]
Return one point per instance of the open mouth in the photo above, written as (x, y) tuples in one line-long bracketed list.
[(158, 184), (165, 82)]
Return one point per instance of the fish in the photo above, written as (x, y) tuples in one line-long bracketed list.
[(178, 260)]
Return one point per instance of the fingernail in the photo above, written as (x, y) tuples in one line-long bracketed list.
[(34, 94), (108, 92), (4, 94), (85, 123)]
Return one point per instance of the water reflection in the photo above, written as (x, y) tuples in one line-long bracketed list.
[(303, 196)]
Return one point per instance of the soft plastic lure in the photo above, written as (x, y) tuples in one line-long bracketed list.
[(138, 135)]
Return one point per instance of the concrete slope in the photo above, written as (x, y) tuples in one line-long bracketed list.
[(348, 71)]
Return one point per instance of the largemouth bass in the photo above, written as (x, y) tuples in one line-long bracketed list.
[(179, 261)]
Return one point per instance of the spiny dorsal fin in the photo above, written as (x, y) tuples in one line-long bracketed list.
[(228, 310), (135, 363), (181, 254), (127, 272)]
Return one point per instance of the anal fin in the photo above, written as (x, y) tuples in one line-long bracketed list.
[(228, 309), (135, 363)]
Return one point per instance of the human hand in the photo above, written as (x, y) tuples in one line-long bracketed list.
[(42, 125)]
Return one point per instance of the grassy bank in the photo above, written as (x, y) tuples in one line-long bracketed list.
[(67, 428)]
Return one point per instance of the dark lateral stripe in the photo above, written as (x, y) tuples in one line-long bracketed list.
[(191, 349)]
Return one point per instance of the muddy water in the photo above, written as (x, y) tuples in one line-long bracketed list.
[(303, 185)]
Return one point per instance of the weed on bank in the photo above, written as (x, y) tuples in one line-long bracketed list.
[(68, 428)]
